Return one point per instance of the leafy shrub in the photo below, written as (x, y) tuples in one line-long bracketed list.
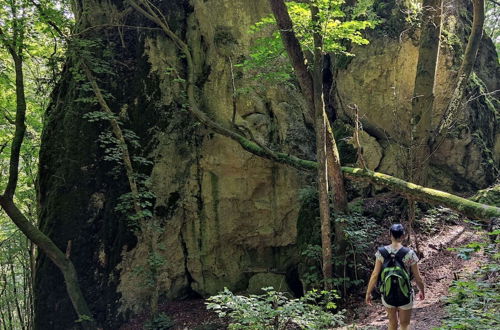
[(474, 303), (360, 232), (159, 322), (274, 310)]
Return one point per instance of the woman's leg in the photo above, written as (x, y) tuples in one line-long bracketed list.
[(392, 314), (404, 318)]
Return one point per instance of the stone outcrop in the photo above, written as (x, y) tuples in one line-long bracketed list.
[(227, 217), (225, 214), (380, 81)]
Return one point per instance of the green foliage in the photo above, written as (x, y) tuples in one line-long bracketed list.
[(331, 25), (490, 196), (432, 221), (359, 232), (474, 302), (451, 39), (492, 22), (159, 322), (268, 59), (274, 310), (41, 52)]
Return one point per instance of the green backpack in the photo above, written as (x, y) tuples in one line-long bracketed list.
[(394, 279)]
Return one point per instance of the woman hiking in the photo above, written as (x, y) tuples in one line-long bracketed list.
[(396, 264)]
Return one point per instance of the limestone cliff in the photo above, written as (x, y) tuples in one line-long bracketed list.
[(380, 81), (226, 216)]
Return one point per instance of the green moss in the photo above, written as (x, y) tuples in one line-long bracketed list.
[(451, 39), (490, 196), (467, 207), (308, 225), (224, 37), (342, 133), (393, 21)]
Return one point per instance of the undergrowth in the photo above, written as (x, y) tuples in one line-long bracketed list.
[(474, 302), (275, 310)]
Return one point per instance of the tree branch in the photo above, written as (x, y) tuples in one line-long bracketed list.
[(55, 254), (462, 205), (117, 132), (7, 201), (10, 47), (41, 10), (19, 132)]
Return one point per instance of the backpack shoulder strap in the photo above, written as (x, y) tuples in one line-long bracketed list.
[(384, 252), (402, 252)]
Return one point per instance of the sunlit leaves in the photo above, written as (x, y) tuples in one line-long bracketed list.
[(268, 58), (25, 36)]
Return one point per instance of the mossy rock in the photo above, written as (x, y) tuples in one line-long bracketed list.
[(343, 133)]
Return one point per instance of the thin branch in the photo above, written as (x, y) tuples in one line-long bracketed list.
[(117, 131), (3, 146), (41, 10)]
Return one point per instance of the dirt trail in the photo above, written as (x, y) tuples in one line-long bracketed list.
[(438, 267)]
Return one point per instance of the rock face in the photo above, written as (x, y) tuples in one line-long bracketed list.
[(226, 217), (380, 81), (225, 214)]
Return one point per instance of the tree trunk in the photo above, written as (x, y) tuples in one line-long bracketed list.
[(294, 52), (297, 59), (16, 294), (465, 70), (33, 233), (423, 93), (56, 255), (336, 182), (321, 151)]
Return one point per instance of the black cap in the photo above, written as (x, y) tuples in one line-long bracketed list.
[(397, 230)]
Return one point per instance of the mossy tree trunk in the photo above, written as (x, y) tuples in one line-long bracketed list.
[(15, 46), (423, 92)]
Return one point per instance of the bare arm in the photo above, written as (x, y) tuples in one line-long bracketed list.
[(373, 281), (418, 280)]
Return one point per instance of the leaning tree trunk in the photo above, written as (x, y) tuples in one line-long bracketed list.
[(305, 79), (456, 102)]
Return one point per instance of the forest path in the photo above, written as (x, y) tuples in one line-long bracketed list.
[(438, 268)]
